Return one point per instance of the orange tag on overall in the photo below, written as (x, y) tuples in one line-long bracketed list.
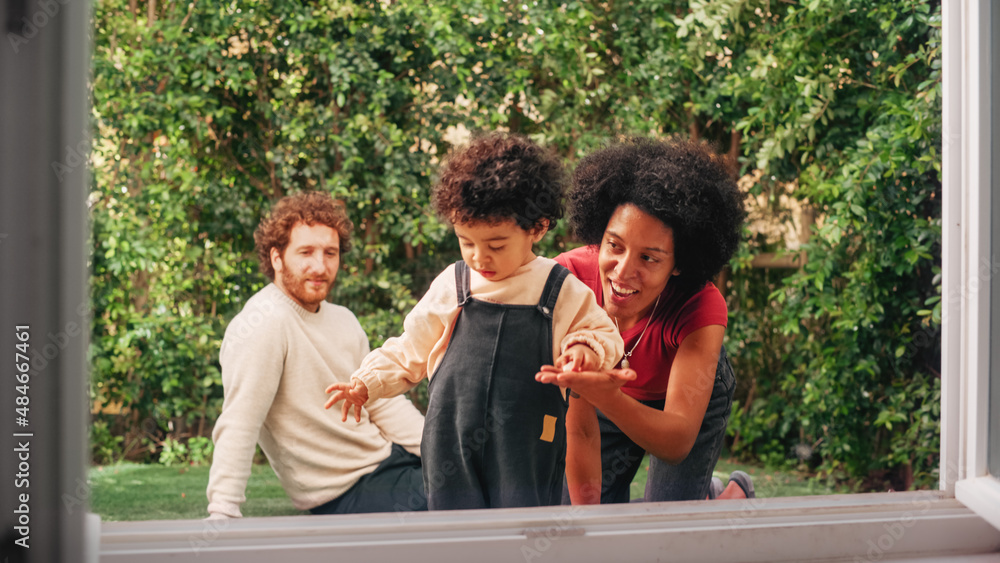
[(548, 428)]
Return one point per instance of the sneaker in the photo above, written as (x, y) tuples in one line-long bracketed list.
[(744, 481), (715, 488)]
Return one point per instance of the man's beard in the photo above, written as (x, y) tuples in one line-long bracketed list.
[(296, 287)]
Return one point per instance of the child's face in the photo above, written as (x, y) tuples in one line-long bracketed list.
[(496, 250)]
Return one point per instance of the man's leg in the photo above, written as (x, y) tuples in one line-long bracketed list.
[(396, 485)]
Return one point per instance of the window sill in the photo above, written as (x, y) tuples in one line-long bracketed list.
[(981, 495), (868, 527)]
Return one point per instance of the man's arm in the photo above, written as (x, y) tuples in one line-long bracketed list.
[(252, 359)]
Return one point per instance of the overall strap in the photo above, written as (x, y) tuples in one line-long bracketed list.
[(547, 303), (462, 282)]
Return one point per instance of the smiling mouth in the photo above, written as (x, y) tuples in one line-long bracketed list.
[(620, 291)]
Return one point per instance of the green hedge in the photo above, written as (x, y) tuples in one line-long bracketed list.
[(206, 113)]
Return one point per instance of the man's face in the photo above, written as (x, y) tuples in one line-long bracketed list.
[(307, 269)]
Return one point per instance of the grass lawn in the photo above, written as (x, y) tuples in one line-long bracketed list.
[(766, 482), (129, 491)]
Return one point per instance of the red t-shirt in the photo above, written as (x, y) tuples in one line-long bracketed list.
[(674, 319)]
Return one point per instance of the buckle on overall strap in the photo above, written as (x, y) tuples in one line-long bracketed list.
[(462, 282), (553, 284)]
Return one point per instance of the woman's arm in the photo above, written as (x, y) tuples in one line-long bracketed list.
[(583, 452), (668, 434)]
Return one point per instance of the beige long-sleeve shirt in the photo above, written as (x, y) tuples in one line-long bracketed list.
[(277, 359), (405, 360)]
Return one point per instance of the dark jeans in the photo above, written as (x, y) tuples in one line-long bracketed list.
[(396, 485), (688, 480), (691, 478)]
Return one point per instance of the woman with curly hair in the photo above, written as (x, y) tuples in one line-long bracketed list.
[(493, 436), (660, 219)]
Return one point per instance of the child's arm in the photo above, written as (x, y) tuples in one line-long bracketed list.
[(586, 328), (401, 362)]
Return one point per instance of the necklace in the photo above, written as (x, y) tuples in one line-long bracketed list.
[(629, 353)]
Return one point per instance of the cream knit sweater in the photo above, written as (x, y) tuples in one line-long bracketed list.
[(277, 359)]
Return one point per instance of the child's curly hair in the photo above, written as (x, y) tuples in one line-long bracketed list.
[(311, 208), (501, 176), (681, 183)]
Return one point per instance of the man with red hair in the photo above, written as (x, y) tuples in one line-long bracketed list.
[(279, 354)]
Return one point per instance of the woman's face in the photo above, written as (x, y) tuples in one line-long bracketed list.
[(636, 262)]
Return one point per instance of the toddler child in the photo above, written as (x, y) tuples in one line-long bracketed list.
[(493, 436)]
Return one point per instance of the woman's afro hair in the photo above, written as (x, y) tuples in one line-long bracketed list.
[(682, 183)]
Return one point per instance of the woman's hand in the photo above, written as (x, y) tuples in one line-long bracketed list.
[(591, 385)]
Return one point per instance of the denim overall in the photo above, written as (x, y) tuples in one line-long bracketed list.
[(493, 436)]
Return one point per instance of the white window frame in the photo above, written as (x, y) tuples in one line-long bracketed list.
[(969, 259), (959, 522)]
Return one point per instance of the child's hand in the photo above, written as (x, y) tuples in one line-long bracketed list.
[(578, 357), (353, 394)]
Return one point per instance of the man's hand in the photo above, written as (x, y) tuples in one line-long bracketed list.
[(578, 357), (353, 394)]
